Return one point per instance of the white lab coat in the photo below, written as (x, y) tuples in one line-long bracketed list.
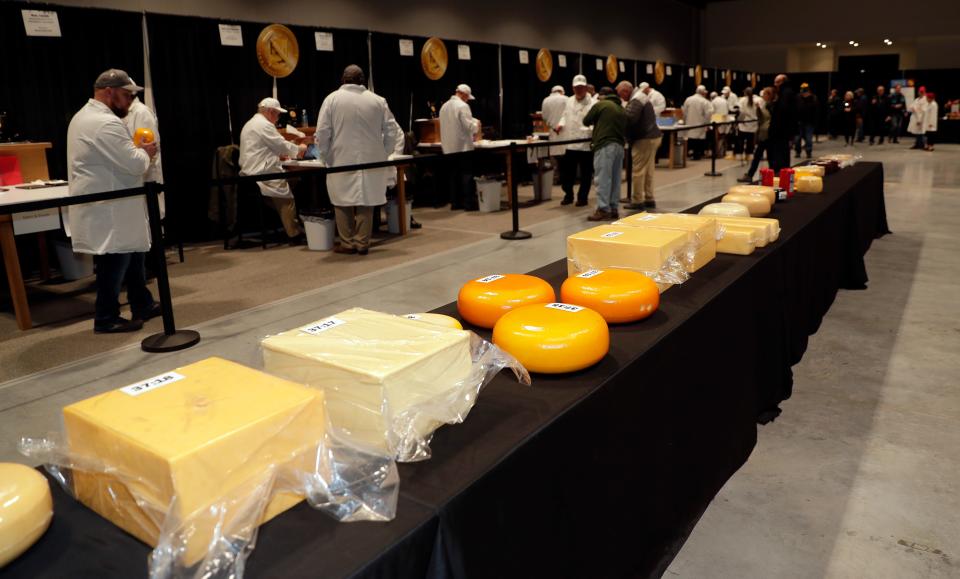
[(141, 117), (748, 113), (457, 126), (572, 122), (656, 98), (356, 126), (930, 115), (721, 113), (552, 110), (697, 110), (732, 102), (101, 157), (917, 109), (260, 148)]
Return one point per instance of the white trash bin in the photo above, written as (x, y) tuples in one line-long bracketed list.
[(488, 194), (393, 216), (543, 187), (73, 266), (320, 232)]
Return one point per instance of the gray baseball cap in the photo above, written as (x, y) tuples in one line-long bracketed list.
[(116, 78)]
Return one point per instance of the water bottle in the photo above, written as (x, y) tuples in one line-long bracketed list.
[(304, 119)]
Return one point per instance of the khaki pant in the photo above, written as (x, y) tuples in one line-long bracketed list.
[(287, 208), (644, 153), (354, 225)]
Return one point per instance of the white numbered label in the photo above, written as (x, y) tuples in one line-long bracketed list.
[(612, 234), (591, 273), (413, 317), (647, 218), (489, 278), (564, 307), (323, 326), (152, 384)]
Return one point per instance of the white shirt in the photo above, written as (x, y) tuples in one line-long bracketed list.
[(657, 100), (260, 148), (141, 117), (697, 110), (457, 126), (930, 117), (572, 122), (356, 126), (917, 109), (721, 113), (101, 157), (748, 113), (552, 110), (732, 101)]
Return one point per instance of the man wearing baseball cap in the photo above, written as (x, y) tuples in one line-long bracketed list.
[(458, 130), (261, 150), (578, 154), (101, 156), (552, 111)]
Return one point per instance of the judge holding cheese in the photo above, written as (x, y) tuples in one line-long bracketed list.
[(356, 126)]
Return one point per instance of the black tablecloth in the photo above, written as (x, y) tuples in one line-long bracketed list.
[(601, 473)]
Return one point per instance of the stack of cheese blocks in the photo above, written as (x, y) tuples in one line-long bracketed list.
[(741, 235), (701, 234), (643, 249), (202, 434), (373, 366)]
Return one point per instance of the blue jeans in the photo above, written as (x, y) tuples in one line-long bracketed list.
[(607, 163), (113, 269), (806, 135)]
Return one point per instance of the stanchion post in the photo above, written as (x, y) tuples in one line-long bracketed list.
[(713, 157), (171, 339), (514, 233), (629, 173)]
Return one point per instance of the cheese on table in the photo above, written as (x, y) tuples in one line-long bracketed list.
[(757, 205), (739, 240), (701, 233), (764, 190), (619, 295), (438, 319), (809, 184), (199, 434), (26, 508), (482, 301), (623, 247), (814, 170), (372, 367), (771, 227), (553, 338), (726, 209)]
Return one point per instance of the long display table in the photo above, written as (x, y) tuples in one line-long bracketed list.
[(601, 473)]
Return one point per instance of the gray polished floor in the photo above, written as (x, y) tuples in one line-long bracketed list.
[(858, 478)]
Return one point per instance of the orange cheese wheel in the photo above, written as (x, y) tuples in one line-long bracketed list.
[(553, 338), (437, 320), (620, 296), (482, 301), (142, 135), (26, 508), (757, 205)]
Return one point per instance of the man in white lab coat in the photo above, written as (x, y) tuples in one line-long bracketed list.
[(552, 111), (140, 116), (657, 100), (733, 102), (577, 155), (697, 110), (916, 125), (458, 130), (356, 126), (101, 156), (261, 150), (930, 115)]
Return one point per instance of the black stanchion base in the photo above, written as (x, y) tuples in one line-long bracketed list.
[(179, 340), (713, 174), (516, 235)]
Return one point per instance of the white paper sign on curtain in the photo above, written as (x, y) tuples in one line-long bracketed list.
[(599, 64), (706, 73), (649, 69), (324, 41), (524, 57), (231, 35), (562, 60), (41, 23), (406, 47), (463, 51), (622, 67), (690, 72), (669, 70)]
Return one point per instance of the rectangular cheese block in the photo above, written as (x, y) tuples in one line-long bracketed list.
[(372, 367), (762, 236), (738, 240), (700, 228), (200, 434), (702, 257), (623, 247), (770, 226)]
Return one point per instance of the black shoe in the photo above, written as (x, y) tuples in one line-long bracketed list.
[(745, 179), (344, 250), (151, 312), (580, 203), (634, 206), (614, 215), (117, 326), (809, 155), (363, 251), (567, 201), (626, 200), (650, 204), (415, 224)]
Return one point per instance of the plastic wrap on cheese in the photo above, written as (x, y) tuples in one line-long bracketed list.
[(701, 234), (727, 209), (757, 205), (656, 253), (389, 381), (192, 461), (814, 170), (769, 227), (809, 184)]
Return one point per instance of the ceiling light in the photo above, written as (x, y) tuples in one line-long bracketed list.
[(851, 43), (818, 44), (856, 44), (887, 40)]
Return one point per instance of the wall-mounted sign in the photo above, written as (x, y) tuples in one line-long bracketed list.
[(231, 35), (544, 65), (463, 52), (406, 47), (612, 68), (324, 41), (562, 60), (277, 50), (524, 57), (433, 58), (41, 23)]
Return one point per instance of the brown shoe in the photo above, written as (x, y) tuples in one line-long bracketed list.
[(363, 251), (600, 216), (344, 250)]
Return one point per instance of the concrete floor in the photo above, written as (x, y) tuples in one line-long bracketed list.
[(858, 478)]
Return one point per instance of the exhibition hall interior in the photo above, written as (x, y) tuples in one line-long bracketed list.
[(467, 290)]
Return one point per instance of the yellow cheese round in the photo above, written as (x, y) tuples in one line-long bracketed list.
[(757, 205), (725, 209), (767, 192), (619, 295), (814, 170), (26, 508), (553, 338), (809, 184), (482, 301), (437, 320)]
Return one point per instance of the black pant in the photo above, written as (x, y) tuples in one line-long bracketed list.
[(744, 143), (463, 189), (113, 270), (696, 147), (568, 173), (778, 154), (757, 157)]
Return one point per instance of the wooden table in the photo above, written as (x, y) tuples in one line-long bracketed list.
[(32, 156)]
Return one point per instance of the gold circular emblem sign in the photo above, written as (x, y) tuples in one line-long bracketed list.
[(277, 50), (698, 75), (729, 77), (612, 70), (544, 65), (753, 80), (659, 72), (433, 58)]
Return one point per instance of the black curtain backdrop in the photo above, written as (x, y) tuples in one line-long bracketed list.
[(523, 91), (47, 80), (396, 76)]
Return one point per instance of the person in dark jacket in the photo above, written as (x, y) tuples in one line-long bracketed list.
[(860, 109), (609, 123), (783, 124), (898, 106), (849, 118), (835, 113), (808, 110), (879, 115), (644, 137)]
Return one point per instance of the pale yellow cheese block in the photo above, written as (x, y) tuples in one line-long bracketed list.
[(764, 190), (701, 233), (726, 209), (201, 434), (622, 247), (26, 508), (809, 184), (770, 226), (757, 205), (372, 367), (814, 170), (738, 240), (702, 257)]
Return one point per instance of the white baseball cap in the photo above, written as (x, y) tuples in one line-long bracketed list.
[(725, 90), (465, 89), (643, 85), (579, 80), (557, 89), (271, 103), (702, 89)]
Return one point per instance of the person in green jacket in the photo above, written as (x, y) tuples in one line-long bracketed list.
[(609, 127)]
